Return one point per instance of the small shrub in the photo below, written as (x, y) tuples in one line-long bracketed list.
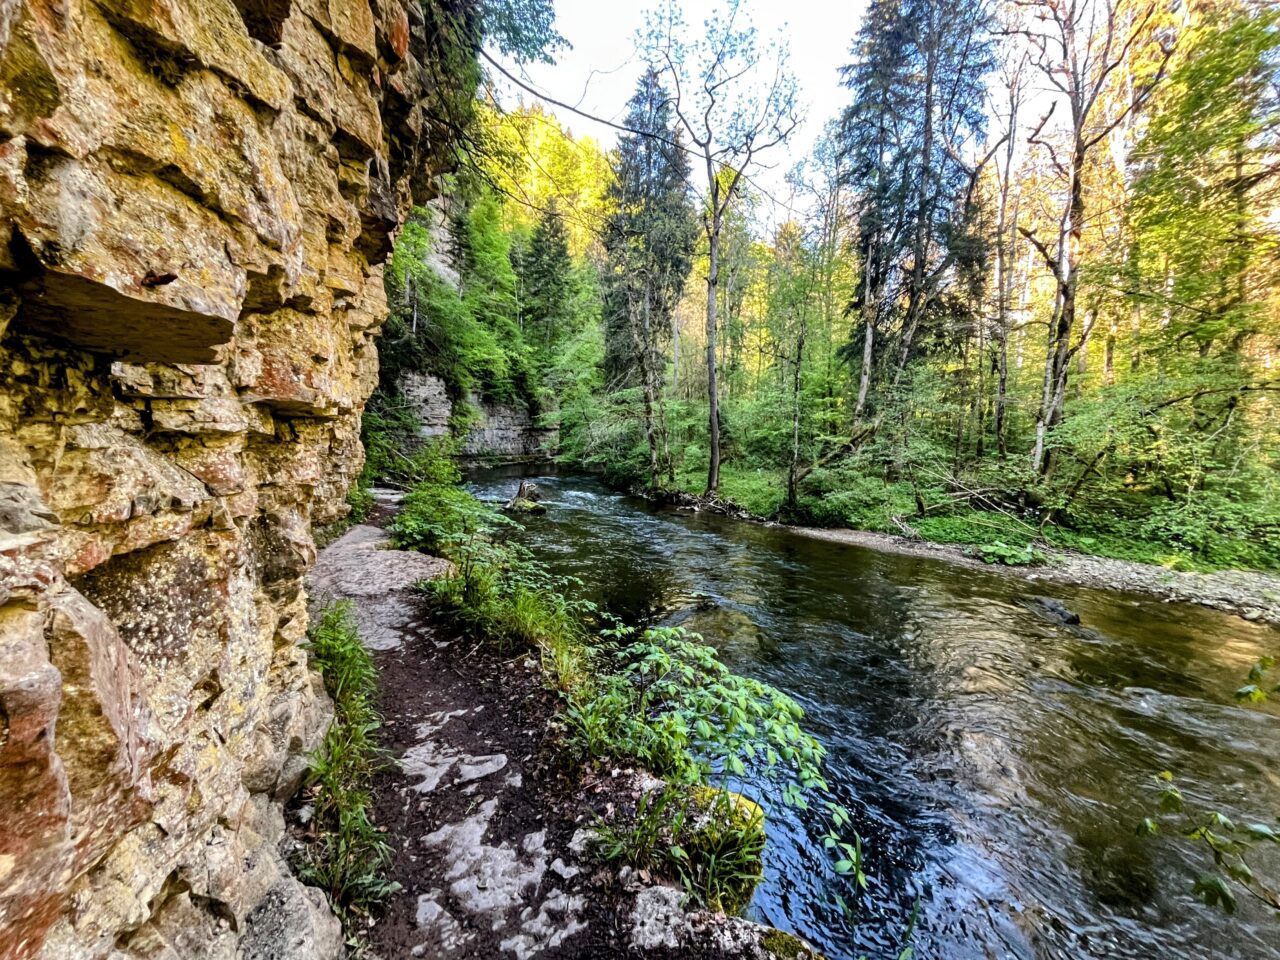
[(668, 703), (360, 500), (1011, 556), (711, 840), (436, 518)]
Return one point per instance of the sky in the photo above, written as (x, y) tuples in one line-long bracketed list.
[(599, 74)]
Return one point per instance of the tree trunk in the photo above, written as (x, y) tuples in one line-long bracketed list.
[(713, 403), (1109, 352), (794, 468), (675, 349), (916, 292), (1006, 238), (647, 375), (864, 382), (1058, 362)]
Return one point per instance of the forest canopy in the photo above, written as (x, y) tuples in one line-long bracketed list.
[(1023, 288)]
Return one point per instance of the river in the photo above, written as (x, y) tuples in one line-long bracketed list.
[(996, 761)]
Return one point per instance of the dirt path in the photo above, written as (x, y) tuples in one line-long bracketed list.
[(486, 818)]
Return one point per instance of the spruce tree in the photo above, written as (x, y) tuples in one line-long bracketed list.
[(917, 111), (648, 242), (546, 275)]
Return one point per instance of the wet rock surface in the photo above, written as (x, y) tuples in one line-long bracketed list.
[(501, 429)]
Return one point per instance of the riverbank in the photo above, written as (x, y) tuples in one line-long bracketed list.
[(488, 820), (1250, 594)]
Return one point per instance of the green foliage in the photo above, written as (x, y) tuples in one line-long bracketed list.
[(395, 451), (759, 491), (843, 495), (545, 301), (668, 702), (360, 502), (1011, 556), (719, 858), (648, 236), (1255, 691), (522, 29), (441, 518), (470, 339), (1217, 530), (710, 840), (350, 857), (496, 590), (1227, 844), (1201, 204)]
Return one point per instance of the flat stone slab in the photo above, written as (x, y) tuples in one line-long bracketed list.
[(362, 565)]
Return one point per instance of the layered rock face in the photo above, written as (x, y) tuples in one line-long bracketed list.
[(498, 429), (196, 198)]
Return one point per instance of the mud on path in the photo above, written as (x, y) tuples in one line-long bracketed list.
[(487, 819)]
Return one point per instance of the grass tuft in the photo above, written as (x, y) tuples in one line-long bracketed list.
[(350, 858)]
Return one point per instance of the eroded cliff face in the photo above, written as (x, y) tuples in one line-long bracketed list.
[(494, 429), (196, 197)]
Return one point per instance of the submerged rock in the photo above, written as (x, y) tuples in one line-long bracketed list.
[(527, 499), (1056, 610)]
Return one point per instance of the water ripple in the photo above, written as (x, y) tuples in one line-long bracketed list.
[(996, 762)]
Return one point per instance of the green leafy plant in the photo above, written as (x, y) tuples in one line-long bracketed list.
[(1011, 556), (350, 857), (670, 704), (1228, 843), (710, 840), (1255, 691)]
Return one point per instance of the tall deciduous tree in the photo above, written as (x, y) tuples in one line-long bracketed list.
[(735, 100), (1079, 47)]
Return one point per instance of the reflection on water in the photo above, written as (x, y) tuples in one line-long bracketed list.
[(995, 760)]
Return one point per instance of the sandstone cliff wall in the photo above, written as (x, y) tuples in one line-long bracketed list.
[(196, 197), (499, 429)]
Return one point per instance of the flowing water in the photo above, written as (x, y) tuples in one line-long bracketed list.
[(996, 761)]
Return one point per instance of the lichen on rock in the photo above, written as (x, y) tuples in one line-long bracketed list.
[(198, 196)]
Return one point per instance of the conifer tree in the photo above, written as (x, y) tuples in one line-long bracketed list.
[(917, 110), (648, 241), (546, 280)]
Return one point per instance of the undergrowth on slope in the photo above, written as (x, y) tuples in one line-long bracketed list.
[(351, 857)]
